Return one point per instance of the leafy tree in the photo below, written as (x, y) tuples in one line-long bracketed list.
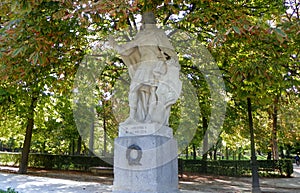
[(255, 44), (40, 53)]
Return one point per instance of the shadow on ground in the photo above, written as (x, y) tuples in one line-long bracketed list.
[(46, 181)]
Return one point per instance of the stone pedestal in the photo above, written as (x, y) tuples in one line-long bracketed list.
[(145, 164)]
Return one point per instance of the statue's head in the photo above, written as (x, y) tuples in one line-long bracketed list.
[(148, 18)]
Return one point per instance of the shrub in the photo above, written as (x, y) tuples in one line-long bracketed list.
[(266, 168), (286, 167), (9, 158), (49, 161), (219, 167), (9, 190)]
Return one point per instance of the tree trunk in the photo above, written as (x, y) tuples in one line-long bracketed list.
[(91, 141), (104, 136), (92, 131), (227, 153), (288, 151), (215, 153), (187, 152), (78, 145), (239, 153), (269, 155), (104, 129), (274, 130), (205, 144), (234, 155), (205, 139), (26, 147), (240, 156), (254, 164), (44, 147), (281, 152), (194, 152), (73, 147), (210, 155)]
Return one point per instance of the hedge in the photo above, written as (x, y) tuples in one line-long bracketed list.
[(266, 168), (9, 190), (220, 167), (61, 162)]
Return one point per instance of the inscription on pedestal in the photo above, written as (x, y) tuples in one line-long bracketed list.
[(145, 129), (142, 129)]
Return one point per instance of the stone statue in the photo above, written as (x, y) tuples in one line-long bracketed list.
[(154, 71), (145, 139)]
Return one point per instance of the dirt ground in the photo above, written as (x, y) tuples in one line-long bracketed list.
[(189, 182)]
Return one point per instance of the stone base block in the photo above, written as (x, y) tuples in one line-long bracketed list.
[(145, 164)]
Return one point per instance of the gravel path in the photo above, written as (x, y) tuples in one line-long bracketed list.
[(47, 182)]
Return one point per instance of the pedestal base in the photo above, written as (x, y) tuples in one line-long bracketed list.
[(145, 164)]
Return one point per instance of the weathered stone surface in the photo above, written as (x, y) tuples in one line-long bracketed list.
[(145, 164), (145, 154), (154, 71), (145, 129)]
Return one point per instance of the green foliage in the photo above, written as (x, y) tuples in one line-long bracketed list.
[(9, 190), (50, 161), (40, 44), (255, 44), (222, 167), (237, 168), (9, 159), (55, 128), (40, 53), (286, 167)]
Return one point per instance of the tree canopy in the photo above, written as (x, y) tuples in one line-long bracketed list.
[(255, 45)]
